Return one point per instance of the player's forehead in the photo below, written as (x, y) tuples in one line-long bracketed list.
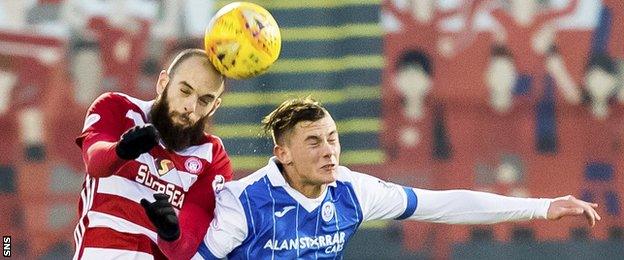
[(199, 74), (320, 128)]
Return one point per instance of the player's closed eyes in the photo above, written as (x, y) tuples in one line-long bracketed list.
[(204, 101), (317, 143), (314, 144)]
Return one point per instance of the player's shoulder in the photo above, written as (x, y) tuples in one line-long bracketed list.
[(210, 148), (120, 101), (355, 179), (344, 174), (237, 187), (112, 98), (216, 142)]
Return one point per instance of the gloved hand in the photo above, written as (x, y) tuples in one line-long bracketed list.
[(162, 215), (135, 141)]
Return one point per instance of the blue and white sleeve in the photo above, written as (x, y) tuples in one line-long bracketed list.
[(227, 230), (383, 200)]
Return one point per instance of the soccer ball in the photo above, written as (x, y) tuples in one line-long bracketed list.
[(242, 40)]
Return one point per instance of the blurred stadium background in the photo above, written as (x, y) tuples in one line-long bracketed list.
[(517, 97)]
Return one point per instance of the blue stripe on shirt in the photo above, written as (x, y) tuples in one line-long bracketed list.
[(205, 252), (412, 202)]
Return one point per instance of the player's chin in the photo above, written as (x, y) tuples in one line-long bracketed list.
[(183, 124), (328, 176)]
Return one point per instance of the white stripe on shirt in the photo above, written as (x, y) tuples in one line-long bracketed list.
[(120, 186), (99, 219), (110, 253)]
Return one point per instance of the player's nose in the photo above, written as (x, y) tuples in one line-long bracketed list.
[(190, 105), (328, 149)]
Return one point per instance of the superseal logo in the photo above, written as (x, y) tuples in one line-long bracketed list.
[(328, 243), (145, 177)]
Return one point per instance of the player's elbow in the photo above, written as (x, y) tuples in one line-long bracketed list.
[(98, 172), (101, 159)]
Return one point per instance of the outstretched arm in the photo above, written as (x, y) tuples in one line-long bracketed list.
[(472, 207), (384, 200)]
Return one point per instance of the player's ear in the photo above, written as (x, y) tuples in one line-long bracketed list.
[(283, 154), (163, 79), (217, 103)]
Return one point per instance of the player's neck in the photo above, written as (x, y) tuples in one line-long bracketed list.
[(311, 191)]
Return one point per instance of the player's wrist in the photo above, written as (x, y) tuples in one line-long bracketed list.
[(169, 235), (541, 207), (123, 152)]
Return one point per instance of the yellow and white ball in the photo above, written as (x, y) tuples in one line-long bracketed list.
[(242, 40)]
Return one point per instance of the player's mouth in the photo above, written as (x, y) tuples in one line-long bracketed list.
[(183, 120), (329, 167)]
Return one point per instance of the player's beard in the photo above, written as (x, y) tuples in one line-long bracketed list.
[(175, 137)]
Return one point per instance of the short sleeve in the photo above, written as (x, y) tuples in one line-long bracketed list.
[(382, 200)]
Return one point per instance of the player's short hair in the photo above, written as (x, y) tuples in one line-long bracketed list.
[(284, 118), (185, 55), (416, 58)]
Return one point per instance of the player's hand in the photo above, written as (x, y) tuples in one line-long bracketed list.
[(163, 216), (571, 206), (135, 141)]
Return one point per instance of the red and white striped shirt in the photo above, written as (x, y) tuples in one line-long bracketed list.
[(112, 222)]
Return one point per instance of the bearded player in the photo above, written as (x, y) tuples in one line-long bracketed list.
[(135, 149)]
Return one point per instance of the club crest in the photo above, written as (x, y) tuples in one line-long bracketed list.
[(193, 165), (328, 210)]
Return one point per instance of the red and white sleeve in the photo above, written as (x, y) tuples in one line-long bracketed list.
[(104, 124)]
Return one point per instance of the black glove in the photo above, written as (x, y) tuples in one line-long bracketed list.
[(135, 141), (162, 215)]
